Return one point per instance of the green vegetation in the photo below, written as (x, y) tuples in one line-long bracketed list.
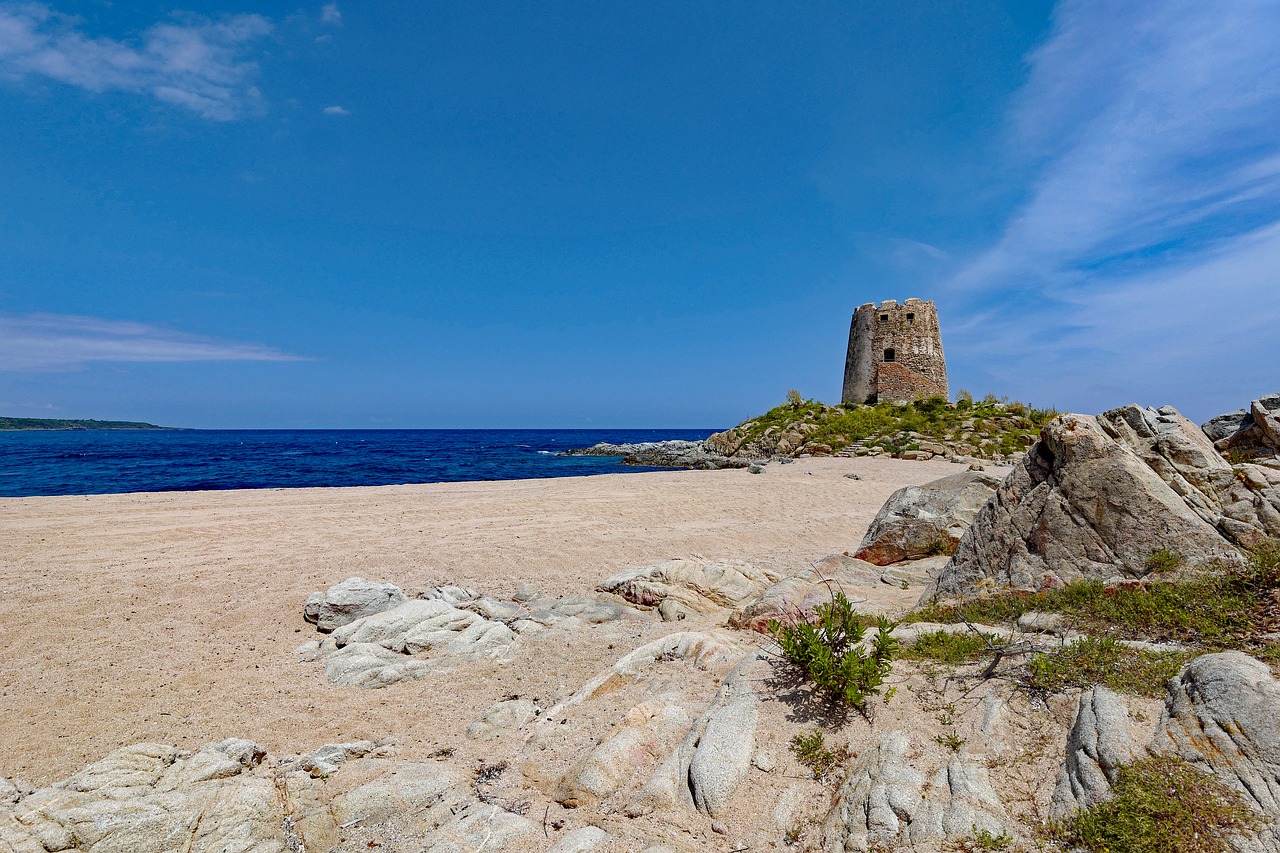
[(950, 740), (829, 654), (59, 423), (1218, 610), (1103, 660), (988, 427), (940, 547), (1162, 805), (949, 647), (811, 751), (1164, 560), (983, 839)]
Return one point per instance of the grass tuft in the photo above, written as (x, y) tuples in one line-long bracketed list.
[(1218, 610), (948, 647), (1102, 660)]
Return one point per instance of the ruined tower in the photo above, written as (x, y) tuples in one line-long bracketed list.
[(895, 354)]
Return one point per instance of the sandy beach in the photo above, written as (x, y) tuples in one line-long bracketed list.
[(173, 617)]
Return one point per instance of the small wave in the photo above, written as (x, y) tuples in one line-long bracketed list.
[(547, 452)]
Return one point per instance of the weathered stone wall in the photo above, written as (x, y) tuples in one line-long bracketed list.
[(895, 353), (859, 364), (898, 383)]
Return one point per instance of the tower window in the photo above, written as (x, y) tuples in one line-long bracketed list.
[(911, 318), (890, 355), (884, 318)]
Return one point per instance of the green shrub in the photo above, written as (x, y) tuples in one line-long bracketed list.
[(1162, 805), (811, 751), (950, 740), (1164, 560), (829, 654), (940, 546)]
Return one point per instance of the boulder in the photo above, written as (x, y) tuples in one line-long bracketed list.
[(699, 648), (1256, 437), (502, 717), (796, 598), (917, 520), (875, 804), (348, 601), (149, 798), (1098, 743), (706, 769), (430, 626), (647, 732), (1226, 425), (885, 803), (580, 840), (372, 665), (1222, 713), (704, 586), (1081, 504)]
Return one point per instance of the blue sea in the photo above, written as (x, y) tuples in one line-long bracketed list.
[(76, 462)]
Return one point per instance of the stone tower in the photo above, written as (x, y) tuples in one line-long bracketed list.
[(895, 354)]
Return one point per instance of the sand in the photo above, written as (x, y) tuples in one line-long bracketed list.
[(174, 617)]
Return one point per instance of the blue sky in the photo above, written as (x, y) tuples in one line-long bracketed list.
[(607, 214)]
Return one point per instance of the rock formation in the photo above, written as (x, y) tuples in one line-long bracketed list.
[(1096, 497), (919, 521)]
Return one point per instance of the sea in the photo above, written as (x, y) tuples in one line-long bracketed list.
[(84, 462)]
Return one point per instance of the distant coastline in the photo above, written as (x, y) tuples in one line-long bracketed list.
[(65, 424)]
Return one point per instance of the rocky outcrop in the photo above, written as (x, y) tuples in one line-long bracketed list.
[(707, 768), (918, 521), (410, 640), (1089, 501), (501, 717), (433, 627), (885, 802), (1226, 425), (700, 585), (666, 454), (647, 732), (1223, 714), (350, 600), (795, 599), (1252, 435), (1097, 745), (228, 798)]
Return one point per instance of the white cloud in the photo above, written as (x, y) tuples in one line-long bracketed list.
[(193, 62), (60, 341), (330, 15), (336, 111), (1149, 239)]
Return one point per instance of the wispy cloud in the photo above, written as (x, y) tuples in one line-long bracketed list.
[(330, 15), (30, 342), (1149, 237), (192, 62), (336, 111)]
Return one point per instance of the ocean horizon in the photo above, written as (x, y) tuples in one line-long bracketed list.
[(83, 462)]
